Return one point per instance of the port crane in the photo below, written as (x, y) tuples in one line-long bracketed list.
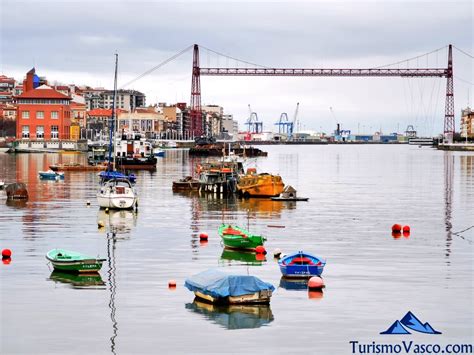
[(286, 126), (252, 123)]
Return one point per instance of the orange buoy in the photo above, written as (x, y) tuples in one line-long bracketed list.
[(203, 236), (315, 283), (260, 257), (397, 228), (172, 284), (6, 253), (406, 229), (260, 250), (396, 235), (315, 295)]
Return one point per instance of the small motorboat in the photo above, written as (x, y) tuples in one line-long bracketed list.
[(301, 265), (186, 184), (157, 152), (109, 175), (117, 194), (71, 261), (219, 287), (50, 174), (238, 238)]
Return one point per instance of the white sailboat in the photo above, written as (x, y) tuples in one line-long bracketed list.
[(116, 193)]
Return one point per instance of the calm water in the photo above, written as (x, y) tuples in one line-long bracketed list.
[(356, 193)]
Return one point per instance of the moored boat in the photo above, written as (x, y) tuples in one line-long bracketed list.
[(110, 174), (186, 184), (50, 174), (259, 185), (301, 265), (157, 152), (134, 152), (77, 167), (117, 194), (238, 238), (219, 287), (71, 261)]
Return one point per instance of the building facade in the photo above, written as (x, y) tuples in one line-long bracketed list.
[(467, 124)]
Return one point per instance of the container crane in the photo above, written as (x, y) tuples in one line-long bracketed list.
[(253, 124)]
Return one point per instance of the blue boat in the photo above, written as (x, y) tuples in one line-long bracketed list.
[(215, 286), (158, 152), (51, 175), (109, 175), (301, 265)]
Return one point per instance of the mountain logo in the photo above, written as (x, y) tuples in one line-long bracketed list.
[(407, 323)]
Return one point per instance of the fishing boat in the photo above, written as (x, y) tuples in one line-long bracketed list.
[(259, 185), (134, 152), (50, 174), (219, 287), (117, 194), (77, 167), (301, 265), (71, 261), (238, 238)]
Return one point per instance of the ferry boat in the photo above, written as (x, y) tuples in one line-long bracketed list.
[(259, 185), (134, 152), (421, 141)]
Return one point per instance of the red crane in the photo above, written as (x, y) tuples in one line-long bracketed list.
[(196, 117)]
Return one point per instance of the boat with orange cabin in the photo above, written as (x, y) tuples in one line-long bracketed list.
[(259, 185)]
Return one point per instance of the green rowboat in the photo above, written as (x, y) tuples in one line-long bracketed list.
[(238, 238), (71, 261)]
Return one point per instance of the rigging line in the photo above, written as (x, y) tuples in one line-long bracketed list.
[(157, 66), (469, 55), (406, 60), (229, 57)]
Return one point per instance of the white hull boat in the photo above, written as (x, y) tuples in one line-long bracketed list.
[(117, 194)]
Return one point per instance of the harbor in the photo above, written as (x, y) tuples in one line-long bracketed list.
[(355, 196)]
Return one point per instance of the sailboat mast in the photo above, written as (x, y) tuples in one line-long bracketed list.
[(114, 103), (112, 121)]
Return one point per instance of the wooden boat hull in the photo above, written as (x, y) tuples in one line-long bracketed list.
[(301, 271), (242, 240), (186, 185), (16, 191), (66, 261), (301, 265), (262, 185), (260, 297), (61, 167), (136, 164)]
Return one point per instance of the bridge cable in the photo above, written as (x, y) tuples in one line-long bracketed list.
[(229, 57), (406, 60), (460, 50), (157, 66)]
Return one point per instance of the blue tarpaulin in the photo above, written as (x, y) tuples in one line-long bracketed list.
[(220, 284)]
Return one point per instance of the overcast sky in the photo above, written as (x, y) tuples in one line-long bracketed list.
[(74, 42)]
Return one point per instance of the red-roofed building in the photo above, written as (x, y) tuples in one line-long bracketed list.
[(42, 113)]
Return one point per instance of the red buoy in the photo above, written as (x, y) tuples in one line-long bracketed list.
[(260, 250), (397, 228), (406, 229), (203, 236), (406, 234), (315, 283), (172, 284), (6, 261), (260, 257), (6, 253), (316, 294)]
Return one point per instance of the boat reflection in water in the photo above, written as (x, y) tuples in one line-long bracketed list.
[(92, 280), (233, 316), (241, 257), (300, 285), (117, 221)]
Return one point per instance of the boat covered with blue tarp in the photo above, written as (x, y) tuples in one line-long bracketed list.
[(219, 287), (109, 175)]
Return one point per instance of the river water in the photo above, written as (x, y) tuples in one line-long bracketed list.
[(356, 193)]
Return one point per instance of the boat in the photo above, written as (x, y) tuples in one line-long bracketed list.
[(4, 149), (116, 189), (108, 175), (186, 184), (117, 194), (82, 280), (259, 185), (50, 174), (301, 265), (134, 152), (71, 261), (289, 194), (246, 316), (215, 286), (3, 192), (16, 191), (157, 152), (238, 238), (77, 167), (421, 141)]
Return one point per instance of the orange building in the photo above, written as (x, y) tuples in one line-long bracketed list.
[(42, 113)]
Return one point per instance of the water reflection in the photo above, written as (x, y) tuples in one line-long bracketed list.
[(448, 199), (233, 316), (111, 240), (117, 222), (293, 284), (92, 280), (231, 257)]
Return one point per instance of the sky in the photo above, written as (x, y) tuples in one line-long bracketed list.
[(75, 41)]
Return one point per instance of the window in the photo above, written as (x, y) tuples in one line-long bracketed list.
[(25, 114), (40, 114), (54, 114), (54, 132), (25, 132), (39, 132)]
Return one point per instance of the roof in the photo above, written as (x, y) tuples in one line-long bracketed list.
[(43, 92), (103, 112)]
